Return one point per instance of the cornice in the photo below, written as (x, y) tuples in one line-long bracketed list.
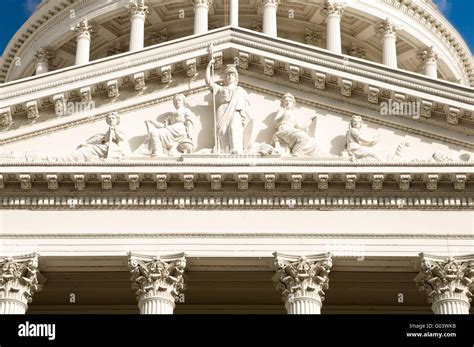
[(252, 235), (255, 202)]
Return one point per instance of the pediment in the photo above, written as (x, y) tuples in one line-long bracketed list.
[(139, 87), (400, 139)]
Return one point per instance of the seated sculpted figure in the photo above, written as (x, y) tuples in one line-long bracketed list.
[(112, 144), (175, 133), (357, 143), (289, 132)]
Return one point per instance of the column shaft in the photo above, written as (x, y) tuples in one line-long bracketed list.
[(431, 69), (270, 18), (450, 306), (234, 13), (83, 50), (303, 305), (201, 13), (390, 50), (137, 33), (156, 306), (41, 68), (334, 33)]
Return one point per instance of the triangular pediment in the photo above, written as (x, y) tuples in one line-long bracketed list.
[(325, 87)]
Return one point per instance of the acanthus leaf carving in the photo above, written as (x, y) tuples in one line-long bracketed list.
[(157, 276), (19, 278), (305, 276)]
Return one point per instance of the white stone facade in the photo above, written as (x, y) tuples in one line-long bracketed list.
[(220, 158)]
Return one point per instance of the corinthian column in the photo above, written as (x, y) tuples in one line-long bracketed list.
[(302, 281), (447, 282), (158, 280), (270, 17), (333, 12), (388, 32), (138, 12), (430, 61), (83, 38), (201, 13), (42, 58), (18, 283)]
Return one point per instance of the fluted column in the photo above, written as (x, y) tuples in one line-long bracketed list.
[(270, 17), (447, 282), (201, 14), (159, 281), (302, 281), (138, 12), (234, 13), (83, 38), (333, 12), (430, 61), (42, 58), (388, 31), (18, 282)]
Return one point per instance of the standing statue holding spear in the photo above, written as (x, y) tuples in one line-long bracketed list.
[(231, 109)]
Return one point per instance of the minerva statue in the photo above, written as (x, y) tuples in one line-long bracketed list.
[(174, 135), (357, 144), (292, 134), (232, 110)]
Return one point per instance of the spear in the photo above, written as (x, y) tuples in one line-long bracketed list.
[(216, 143)]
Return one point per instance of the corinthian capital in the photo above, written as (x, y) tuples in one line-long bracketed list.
[(333, 8), (446, 278), (206, 3), (387, 28), (44, 55), (157, 276), (83, 29), (428, 55), (19, 278), (270, 2), (138, 8), (302, 276)]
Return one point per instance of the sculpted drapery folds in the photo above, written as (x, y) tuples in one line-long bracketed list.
[(112, 144), (357, 143), (288, 130), (232, 110), (175, 133)]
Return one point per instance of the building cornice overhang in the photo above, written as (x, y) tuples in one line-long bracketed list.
[(233, 182), (50, 12), (445, 97)]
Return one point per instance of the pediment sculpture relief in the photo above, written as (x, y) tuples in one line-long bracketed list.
[(175, 134), (292, 135), (231, 110), (287, 134)]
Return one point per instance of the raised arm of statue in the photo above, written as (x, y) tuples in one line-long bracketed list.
[(209, 80)]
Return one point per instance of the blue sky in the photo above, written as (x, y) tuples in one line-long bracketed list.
[(15, 13)]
